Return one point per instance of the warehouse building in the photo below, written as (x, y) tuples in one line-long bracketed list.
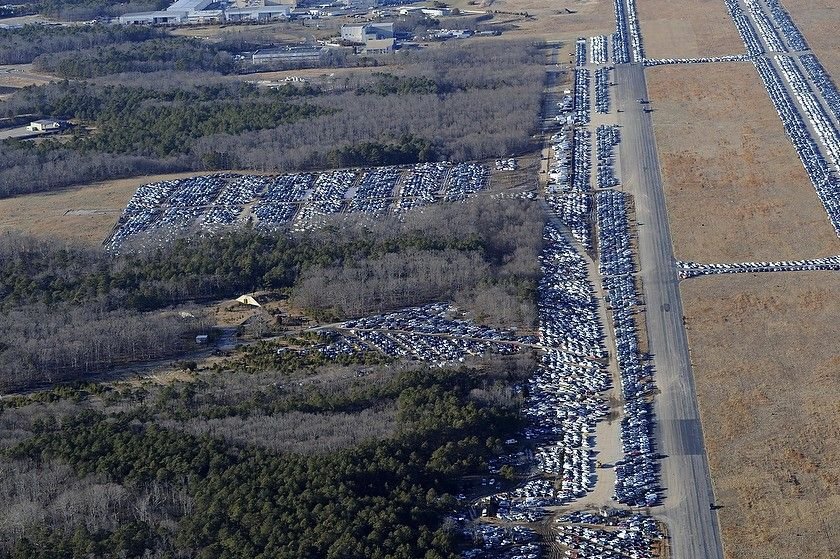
[(292, 54), (195, 12)]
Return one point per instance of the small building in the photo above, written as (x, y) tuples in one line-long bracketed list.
[(44, 125), (379, 46), (248, 300), (202, 339)]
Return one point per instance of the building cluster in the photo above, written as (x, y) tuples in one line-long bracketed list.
[(184, 12)]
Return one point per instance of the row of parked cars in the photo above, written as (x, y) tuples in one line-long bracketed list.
[(688, 269), (161, 211), (814, 111), (635, 32), (582, 109), (819, 76), (609, 534), (607, 137), (569, 187), (785, 24), (649, 62), (602, 91), (431, 333), (637, 474), (620, 42), (598, 46), (823, 176), (765, 26), (580, 52), (745, 28)]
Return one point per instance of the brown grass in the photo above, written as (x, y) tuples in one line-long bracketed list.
[(83, 215), (767, 370), (550, 20), (687, 29), (735, 187)]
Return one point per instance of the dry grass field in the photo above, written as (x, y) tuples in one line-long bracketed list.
[(687, 28), (564, 20), (767, 371), (818, 20), (83, 215), (734, 185)]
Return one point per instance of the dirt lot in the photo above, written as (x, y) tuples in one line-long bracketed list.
[(687, 28), (84, 214), (735, 187), (549, 20), (818, 20), (767, 370)]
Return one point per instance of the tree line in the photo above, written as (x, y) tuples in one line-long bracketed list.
[(25, 44)]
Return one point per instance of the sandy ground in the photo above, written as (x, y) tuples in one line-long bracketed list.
[(735, 188), (85, 214), (818, 20), (767, 369), (687, 28)]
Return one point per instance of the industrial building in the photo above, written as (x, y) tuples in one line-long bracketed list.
[(43, 125), (377, 38), (184, 12), (292, 54)]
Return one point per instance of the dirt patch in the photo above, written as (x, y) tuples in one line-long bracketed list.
[(687, 29), (767, 370), (563, 20), (735, 187), (83, 215)]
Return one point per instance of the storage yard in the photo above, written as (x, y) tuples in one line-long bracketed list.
[(736, 190), (767, 369), (161, 211)]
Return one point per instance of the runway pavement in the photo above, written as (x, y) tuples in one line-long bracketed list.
[(692, 525)]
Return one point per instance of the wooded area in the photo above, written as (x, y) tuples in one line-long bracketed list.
[(140, 488), (484, 105)]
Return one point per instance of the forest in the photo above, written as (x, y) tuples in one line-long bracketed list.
[(131, 473), (59, 304), (24, 45), (268, 447), (484, 105)]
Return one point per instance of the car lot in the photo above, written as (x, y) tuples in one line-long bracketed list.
[(637, 474), (162, 211), (602, 91), (607, 138), (431, 333), (609, 534), (598, 46)]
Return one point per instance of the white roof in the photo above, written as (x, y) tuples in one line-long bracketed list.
[(188, 5)]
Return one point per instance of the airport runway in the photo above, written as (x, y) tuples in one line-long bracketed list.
[(692, 525)]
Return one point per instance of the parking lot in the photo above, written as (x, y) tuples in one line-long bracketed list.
[(161, 211)]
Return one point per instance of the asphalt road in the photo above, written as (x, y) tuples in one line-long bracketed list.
[(692, 524)]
